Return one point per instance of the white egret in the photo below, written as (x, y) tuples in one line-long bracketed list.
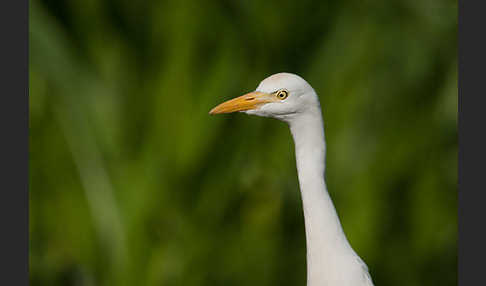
[(331, 261)]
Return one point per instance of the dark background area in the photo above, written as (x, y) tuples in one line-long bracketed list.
[(133, 183)]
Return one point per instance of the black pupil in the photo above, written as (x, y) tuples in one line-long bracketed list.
[(282, 94)]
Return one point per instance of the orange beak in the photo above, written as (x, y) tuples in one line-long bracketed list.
[(248, 101)]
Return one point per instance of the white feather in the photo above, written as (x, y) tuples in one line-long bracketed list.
[(330, 259)]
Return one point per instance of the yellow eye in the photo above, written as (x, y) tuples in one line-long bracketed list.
[(282, 94)]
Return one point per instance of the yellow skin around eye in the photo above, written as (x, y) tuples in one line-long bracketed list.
[(282, 94)]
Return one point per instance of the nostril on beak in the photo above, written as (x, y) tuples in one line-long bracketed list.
[(249, 98)]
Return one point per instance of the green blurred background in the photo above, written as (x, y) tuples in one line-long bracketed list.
[(133, 183)]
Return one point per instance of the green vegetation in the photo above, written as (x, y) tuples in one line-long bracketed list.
[(133, 183)]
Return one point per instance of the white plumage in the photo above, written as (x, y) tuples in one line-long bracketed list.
[(331, 261)]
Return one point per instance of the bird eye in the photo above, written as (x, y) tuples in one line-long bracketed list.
[(282, 94)]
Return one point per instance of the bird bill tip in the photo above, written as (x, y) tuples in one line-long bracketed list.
[(217, 110)]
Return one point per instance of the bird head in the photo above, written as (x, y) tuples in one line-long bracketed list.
[(283, 96)]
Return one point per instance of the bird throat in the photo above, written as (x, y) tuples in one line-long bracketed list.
[(325, 239)]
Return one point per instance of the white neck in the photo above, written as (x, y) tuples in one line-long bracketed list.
[(327, 247)]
